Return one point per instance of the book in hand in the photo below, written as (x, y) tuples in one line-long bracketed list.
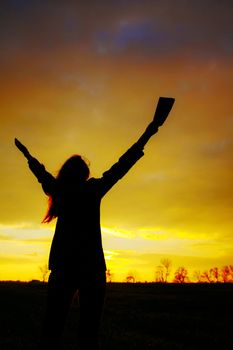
[(163, 108)]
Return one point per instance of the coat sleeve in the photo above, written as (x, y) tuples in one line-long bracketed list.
[(120, 168), (47, 180)]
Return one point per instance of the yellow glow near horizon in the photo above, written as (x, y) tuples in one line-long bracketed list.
[(91, 87), (24, 250)]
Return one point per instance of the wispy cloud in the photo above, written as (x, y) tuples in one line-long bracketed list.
[(4, 237)]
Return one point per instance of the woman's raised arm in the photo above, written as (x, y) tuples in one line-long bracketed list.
[(23, 149), (135, 152), (47, 180)]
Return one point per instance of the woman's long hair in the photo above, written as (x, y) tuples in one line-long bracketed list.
[(74, 170)]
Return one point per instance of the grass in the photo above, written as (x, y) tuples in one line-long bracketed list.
[(136, 316)]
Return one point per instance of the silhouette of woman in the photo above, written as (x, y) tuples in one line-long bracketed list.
[(76, 257)]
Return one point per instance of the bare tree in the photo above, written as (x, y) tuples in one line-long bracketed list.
[(130, 278), (181, 275), (227, 273), (163, 271), (206, 276), (159, 274), (166, 263), (215, 274), (44, 272), (109, 275)]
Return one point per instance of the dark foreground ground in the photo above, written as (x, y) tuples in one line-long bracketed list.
[(137, 316)]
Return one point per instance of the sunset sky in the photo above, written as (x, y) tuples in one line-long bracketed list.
[(84, 77)]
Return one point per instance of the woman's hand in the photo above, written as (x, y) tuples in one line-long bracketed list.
[(23, 149)]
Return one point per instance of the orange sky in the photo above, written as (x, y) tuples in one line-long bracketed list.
[(86, 79)]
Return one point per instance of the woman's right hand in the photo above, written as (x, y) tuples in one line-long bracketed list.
[(23, 149)]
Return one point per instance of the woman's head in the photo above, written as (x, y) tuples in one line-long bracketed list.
[(74, 170)]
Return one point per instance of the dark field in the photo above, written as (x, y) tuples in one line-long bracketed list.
[(136, 316)]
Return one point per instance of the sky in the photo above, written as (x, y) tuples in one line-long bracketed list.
[(85, 77)]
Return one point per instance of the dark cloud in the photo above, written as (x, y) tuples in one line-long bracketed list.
[(109, 27)]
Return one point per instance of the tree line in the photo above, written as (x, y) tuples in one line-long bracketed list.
[(163, 274), (222, 274)]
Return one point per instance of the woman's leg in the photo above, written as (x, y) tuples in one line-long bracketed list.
[(91, 301), (59, 298)]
